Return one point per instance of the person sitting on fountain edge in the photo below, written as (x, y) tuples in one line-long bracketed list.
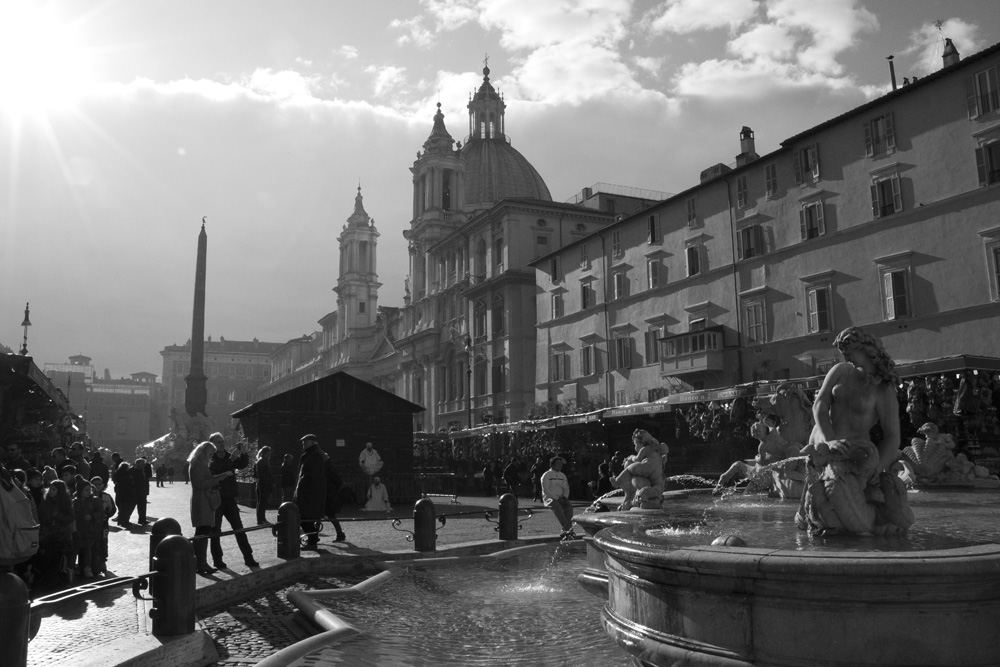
[(555, 496)]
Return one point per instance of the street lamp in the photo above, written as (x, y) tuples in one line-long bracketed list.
[(26, 323)]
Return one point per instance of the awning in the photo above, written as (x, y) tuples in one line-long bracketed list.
[(953, 364), (20, 375)]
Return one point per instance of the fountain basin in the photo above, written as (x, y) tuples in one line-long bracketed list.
[(725, 606)]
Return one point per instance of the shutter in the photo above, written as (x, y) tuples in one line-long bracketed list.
[(797, 163), (991, 75), (813, 314), (741, 250), (758, 234), (890, 132), (566, 373), (802, 222), (823, 309), (971, 100), (876, 211), (897, 198), (814, 160), (820, 223), (981, 166), (869, 149), (899, 293), (890, 306)]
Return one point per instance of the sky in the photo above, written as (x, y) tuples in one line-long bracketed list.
[(123, 124)]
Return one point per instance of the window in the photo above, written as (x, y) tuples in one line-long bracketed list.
[(121, 427), (586, 296), (991, 243), (498, 315), (623, 352), (558, 366), (616, 244), (879, 135), (818, 305), (587, 360), (697, 324), (554, 269), (557, 305), (988, 163), (742, 191), (498, 253), (361, 306), (896, 293), (479, 319), (542, 244), (771, 180), (620, 285), (750, 241), (811, 222), (653, 270), (753, 316), (499, 377), (584, 258), (248, 396), (886, 199), (692, 214), (653, 345), (981, 92), (653, 229), (807, 164), (418, 389), (693, 259), (231, 398)]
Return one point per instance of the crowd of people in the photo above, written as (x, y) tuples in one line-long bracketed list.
[(68, 491)]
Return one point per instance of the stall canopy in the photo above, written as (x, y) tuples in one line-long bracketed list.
[(19, 376), (953, 364)]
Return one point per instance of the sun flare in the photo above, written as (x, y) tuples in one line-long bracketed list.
[(42, 66)]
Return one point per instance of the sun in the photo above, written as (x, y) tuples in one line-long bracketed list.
[(42, 66)]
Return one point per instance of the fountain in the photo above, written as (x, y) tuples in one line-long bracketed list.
[(842, 581)]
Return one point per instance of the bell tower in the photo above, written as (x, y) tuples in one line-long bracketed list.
[(357, 284)]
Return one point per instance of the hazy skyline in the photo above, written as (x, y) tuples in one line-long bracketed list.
[(122, 124)]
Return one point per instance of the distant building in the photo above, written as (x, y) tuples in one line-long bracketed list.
[(235, 369), (885, 217)]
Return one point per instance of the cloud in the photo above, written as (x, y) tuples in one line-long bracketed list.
[(650, 65), (529, 24), (452, 14), (286, 85), (413, 31), (686, 16), (348, 52), (387, 78), (832, 26), (766, 40), (757, 79), (927, 43)]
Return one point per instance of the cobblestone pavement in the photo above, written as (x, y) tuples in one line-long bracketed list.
[(255, 627)]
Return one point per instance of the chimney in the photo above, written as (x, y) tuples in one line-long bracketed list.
[(747, 151), (892, 72), (950, 55)]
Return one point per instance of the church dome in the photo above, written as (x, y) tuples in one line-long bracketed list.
[(495, 170)]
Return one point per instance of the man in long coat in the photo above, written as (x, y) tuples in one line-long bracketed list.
[(310, 490)]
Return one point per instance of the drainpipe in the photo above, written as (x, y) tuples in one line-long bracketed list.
[(736, 287)]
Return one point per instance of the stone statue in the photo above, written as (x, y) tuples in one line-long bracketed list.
[(642, 479), (848, 486)]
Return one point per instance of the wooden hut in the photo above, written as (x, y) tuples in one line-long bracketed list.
[(344, 413)]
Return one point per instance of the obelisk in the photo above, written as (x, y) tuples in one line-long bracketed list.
[(196, 396)]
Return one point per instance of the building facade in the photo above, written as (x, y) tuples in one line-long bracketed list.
[(235, 370), (885, 217)]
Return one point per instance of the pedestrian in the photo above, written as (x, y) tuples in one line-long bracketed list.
[(370, 461), (124, 493), (265, 481), (488, 478), (14, 459), (537, 470), (99, 468), (310, 489), (89, 513), (378, 497), (161, 472), (100, 564), (512, 476), (77, 451), (333, 486), (205, 500), (289, 474), (116, 460), (140, 490), (55, 535), (555, 492), (221, 462)]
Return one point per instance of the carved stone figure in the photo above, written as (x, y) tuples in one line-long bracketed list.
[(642, 479)]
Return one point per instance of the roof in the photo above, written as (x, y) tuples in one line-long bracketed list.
[(495, 170), (235, 346)]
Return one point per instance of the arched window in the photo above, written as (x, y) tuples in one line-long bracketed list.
[(498, 316), (479, 319)]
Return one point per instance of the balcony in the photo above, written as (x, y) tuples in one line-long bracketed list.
[(693, 352)]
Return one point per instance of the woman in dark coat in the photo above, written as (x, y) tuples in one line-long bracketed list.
[(265, 481), (205, 499), (310, 491), (124, 493)]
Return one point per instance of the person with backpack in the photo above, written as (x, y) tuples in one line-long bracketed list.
[(19, 527)]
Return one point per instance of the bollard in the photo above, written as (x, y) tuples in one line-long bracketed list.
[(286, 531), (424, 533), (15, 613), (174, 605), (161, 528), (508, 517)]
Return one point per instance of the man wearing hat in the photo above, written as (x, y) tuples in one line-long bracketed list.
[(310, 488), (223, 461)]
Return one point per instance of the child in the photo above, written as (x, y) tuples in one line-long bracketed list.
[(100, 565), (89, 526)]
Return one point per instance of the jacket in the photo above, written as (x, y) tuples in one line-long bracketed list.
[(310, 490), (220, 464), (205, 496)]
